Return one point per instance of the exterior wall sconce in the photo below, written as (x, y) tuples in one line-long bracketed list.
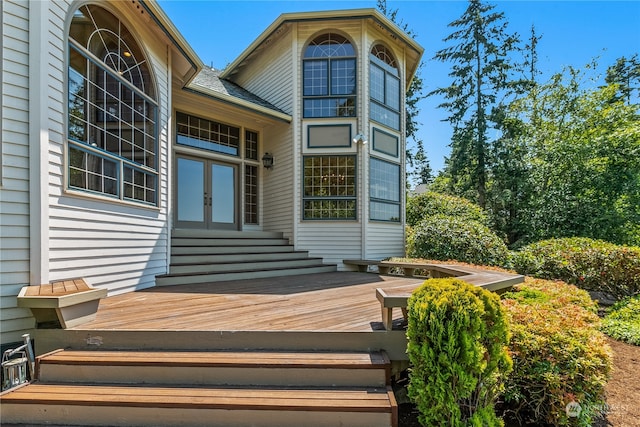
[(267, 161), (360, 139)]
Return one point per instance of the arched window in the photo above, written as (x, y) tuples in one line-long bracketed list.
[(329, 69), (384, 87), (112, 111)]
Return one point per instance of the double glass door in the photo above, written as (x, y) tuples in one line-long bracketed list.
[(206, 194)]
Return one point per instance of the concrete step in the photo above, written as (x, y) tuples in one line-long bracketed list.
[(153, 405), (225, 267), (217, 368), (185, 279)]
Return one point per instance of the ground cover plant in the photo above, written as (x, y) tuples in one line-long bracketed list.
[(457, 347), (593, 265), (622, 321)]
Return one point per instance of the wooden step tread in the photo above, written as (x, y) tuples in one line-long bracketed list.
[(249, 270), (347, 400), (279, 359)]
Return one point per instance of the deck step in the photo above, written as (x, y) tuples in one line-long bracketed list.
[(189, 279), (276, 368), (234, 266), (122, 405)]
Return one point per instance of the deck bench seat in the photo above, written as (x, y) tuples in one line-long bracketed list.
[(65, 303), (362, 264), (393, 297)]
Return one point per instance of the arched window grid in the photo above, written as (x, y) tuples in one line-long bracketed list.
[(112, 113), (384, 88), (329, 77)]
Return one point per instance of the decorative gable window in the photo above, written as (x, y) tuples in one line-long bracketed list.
[(384, 87), (112, 111), (329, 73)]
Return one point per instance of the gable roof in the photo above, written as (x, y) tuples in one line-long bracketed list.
[(209, 83), (413, 58)]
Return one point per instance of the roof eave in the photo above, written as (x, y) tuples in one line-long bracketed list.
[(203, 90), (326, 15)]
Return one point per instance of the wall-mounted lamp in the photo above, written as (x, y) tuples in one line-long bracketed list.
[(360, 139), (267, 161)]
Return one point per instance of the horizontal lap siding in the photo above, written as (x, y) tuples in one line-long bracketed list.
[(333, 241), (112, 245), (384, 240), (14, 193)]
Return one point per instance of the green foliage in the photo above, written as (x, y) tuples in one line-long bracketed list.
[(590, 264), (457, 347), (622, 321), (427, 204), (583, 162), (559, 355), (444, 237)]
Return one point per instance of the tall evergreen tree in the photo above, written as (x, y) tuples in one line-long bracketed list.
[(481, 71), (626, 74)]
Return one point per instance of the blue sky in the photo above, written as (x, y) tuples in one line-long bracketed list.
[(573, 33)]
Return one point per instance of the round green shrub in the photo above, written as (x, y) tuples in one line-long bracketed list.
[(457, 348), (622, 321), (559, 355), (443, 237), (593, 265), (427, 204)]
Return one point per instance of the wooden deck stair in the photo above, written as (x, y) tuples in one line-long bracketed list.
[(199, 256), (221, 388)]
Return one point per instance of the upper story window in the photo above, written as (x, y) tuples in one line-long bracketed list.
[(112, 112), (329, 70), (384, 87)]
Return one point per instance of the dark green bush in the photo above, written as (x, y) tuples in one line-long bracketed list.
[(457, 347), (443, 237), (622, 321), (428, 204), (559, 355), (593, 265)]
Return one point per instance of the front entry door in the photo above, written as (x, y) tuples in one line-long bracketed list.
[(206, 194)]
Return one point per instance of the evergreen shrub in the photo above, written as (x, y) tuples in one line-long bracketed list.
[(559, 355), (593, 265), (427, 204), (444, 237), (457, 347), (622, 321)]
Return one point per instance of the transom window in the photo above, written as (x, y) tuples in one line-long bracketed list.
[(112, 112), (207, 135), (329, 187), (384, 90), (384, 190), (329, 73)]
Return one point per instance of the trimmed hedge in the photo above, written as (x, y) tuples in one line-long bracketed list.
[(443, 237), (593, 265), (559, 355), (430, 203), (457, 347), (622, 321)]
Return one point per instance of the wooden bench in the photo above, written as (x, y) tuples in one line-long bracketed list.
[(65, 303), (362, 264), (391, 298)]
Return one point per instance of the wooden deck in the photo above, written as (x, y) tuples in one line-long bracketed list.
[(338, 302)]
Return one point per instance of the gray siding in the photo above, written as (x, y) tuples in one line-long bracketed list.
[(14, 193)]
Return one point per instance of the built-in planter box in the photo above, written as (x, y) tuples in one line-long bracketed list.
[(64, 304)]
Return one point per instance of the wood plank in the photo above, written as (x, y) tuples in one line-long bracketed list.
[(352, 400)]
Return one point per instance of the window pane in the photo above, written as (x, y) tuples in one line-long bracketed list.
[(207, 135), (250, 194), (343, 77), (329, 187), (385, 143), (384, 190), (316, 78), (385, 116), (251, 145), (393, 92)]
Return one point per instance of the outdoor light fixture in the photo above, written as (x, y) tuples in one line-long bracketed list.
[(267, 161), (360, 138)]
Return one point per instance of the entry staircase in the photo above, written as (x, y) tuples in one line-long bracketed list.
[(204, 388), (201, 256)]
